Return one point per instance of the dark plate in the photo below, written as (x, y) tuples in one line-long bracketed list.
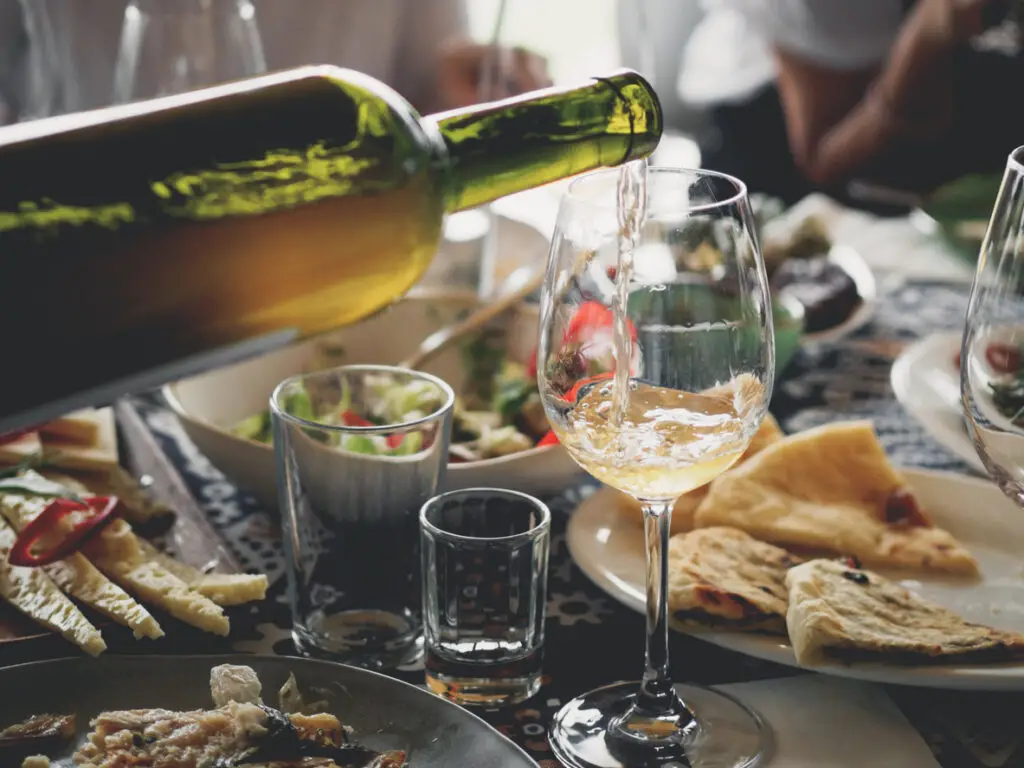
[(385, 713)]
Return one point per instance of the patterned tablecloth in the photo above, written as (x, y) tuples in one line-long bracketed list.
[(591, 640)]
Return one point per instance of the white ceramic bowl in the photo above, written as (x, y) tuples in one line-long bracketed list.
[(209, 404)]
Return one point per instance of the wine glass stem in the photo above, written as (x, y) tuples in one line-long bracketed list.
[(657, 697)]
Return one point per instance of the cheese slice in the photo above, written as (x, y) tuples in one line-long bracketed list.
[(117, 551), (16, 451), (98, 456), (82, 427), (79, 578), (33, 593), (222, 588)]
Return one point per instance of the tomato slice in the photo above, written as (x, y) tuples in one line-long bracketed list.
[(549, 439), (1004, 358)]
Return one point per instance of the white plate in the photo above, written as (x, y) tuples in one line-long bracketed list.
[(926, 383), (607, 544), (855, 266)]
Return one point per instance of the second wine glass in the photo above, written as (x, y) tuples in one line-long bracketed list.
[(991, 365), (695, 334), (172, 46)]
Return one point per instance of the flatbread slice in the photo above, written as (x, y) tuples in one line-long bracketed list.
[(82, 427), (79, 578), (833, 490), (723, 577), (848, 614), (33, 593), (686, 506), (98, 456), (16, 451)]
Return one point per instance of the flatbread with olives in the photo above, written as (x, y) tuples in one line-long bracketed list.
[(723, 577), (840, 613)]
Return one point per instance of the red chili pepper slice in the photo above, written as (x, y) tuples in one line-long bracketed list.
[(104, 509), (1004, 358), (350, 419)]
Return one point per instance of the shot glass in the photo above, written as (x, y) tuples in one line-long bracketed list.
[(485, 571), (359, 450)]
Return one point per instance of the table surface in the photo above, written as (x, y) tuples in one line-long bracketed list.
[(846, 380)]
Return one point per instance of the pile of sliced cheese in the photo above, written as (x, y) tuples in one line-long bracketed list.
[(117, 566)]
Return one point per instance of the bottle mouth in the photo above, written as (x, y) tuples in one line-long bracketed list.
[(644, 112)]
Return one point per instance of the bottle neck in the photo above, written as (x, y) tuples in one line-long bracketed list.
[(508, 146)]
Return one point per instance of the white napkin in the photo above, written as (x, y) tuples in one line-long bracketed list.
[(828, 722)]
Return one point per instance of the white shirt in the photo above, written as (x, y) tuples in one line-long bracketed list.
[(729, 57), (395, 41)]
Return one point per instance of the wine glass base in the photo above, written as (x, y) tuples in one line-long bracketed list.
[(726, 733)]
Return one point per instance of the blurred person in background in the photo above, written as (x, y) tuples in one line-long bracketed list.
[(421, 48), (807, 95)]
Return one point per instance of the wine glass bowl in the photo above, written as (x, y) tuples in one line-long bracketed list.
[(991, 370), (172, 46), (689, 315)]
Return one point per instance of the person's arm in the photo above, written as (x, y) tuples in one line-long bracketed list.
[(840, 122), (440, 68)]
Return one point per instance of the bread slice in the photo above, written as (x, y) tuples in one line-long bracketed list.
[(33, 593), (222, 588), (79, 578), (81, 427), (722, 577), (686, 505), (17, 451), (98, 456), (833, 490), (849, 614)]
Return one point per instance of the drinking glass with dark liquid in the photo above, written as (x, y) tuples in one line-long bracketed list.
[(152, 240)]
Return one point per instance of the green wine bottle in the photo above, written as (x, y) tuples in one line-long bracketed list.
[(150, 241)]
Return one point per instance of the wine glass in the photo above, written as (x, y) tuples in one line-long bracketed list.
[(697, 350), (171, 46), (991, 374)]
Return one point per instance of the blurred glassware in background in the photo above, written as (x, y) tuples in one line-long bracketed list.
[(171, 46), (41, 92)]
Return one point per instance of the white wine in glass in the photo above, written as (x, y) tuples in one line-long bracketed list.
[(655, 366)]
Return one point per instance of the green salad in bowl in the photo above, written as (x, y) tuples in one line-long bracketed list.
[(498, 414)]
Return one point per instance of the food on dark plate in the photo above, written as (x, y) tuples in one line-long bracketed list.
[(36, 734), (240, 732), (827, 292)]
